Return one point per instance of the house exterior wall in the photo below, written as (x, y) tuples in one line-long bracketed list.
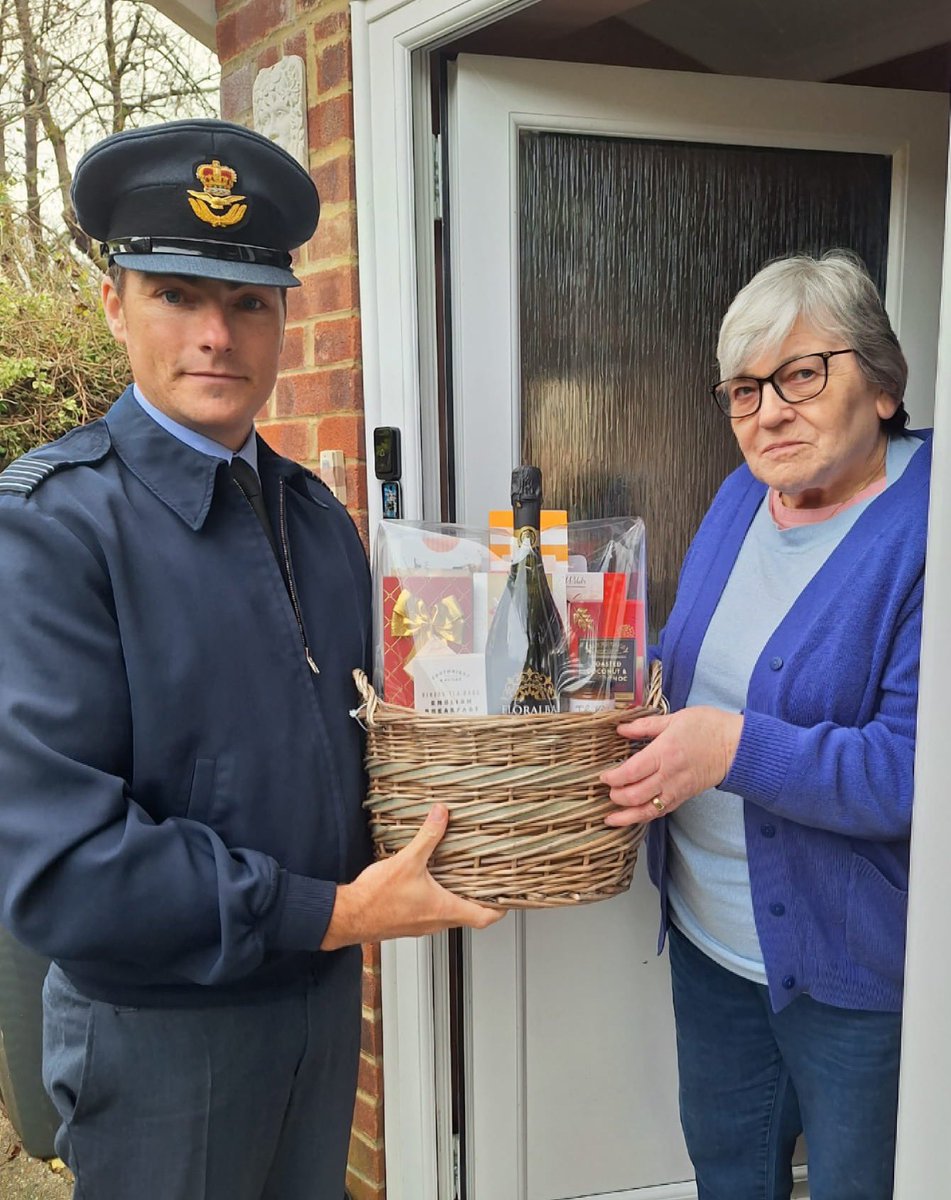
[(318, 402)]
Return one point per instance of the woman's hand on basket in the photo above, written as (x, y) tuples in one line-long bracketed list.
[(688, 752), (398, 897)]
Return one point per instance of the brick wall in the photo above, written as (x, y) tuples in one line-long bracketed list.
[(318, 402)]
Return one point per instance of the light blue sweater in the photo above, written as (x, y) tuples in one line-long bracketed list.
[(826, 758)]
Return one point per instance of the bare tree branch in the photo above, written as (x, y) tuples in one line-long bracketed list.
[(72, 71)]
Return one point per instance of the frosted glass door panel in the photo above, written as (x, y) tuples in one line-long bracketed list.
[(630, 252)]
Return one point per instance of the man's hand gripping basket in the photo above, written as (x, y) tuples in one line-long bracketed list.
[(526, 806)]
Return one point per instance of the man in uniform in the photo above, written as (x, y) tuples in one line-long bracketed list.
[(180, 825)]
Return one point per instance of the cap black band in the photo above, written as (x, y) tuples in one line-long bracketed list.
[(196, 248)]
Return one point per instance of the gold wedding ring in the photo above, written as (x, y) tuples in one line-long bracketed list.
[(659, 804)]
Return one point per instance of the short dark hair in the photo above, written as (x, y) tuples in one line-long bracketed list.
[(117, 275)]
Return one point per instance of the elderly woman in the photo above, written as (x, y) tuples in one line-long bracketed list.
[(780, 787)]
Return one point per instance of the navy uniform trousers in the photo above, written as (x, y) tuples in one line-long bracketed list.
[(245, 1102)]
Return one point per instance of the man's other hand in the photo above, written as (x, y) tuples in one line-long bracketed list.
[(398, 897)]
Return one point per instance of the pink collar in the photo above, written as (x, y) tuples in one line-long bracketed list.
[(792, 518)]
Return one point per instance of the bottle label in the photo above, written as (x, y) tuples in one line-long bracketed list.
[(590, 704), (532, 692)]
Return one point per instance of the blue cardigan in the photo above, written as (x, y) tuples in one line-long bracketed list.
[(825, 763)]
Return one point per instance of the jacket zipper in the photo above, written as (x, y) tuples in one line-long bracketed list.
[(291, 589)]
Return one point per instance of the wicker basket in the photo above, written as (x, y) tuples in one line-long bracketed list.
[(527, 809)]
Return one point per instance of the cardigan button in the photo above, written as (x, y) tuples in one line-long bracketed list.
[(768, 830), (775, 663), (789, 982), (777, 908)]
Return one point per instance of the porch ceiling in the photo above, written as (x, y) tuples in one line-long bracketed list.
[(808, 39), (889, 43), (196, 17)]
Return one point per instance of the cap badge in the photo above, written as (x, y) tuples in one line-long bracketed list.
[(215, 205)]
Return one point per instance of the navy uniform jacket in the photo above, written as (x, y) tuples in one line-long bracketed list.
[(179, 791)]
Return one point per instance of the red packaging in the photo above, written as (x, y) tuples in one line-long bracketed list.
[(422, 612), (618, 626)]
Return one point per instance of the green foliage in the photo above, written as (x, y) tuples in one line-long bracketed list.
[(59, 365)]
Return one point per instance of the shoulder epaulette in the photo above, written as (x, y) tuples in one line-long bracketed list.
[(86, 444)]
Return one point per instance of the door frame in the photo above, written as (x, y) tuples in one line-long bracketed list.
[(398, 308)]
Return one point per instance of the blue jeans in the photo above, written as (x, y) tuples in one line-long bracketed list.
[(751, 1080)]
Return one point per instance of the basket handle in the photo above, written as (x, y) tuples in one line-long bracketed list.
[(655, 697), (371, 701)]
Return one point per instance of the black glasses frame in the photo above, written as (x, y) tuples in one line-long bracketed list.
[(760, 380)]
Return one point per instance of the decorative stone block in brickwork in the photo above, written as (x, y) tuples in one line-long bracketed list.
[(280, 106)]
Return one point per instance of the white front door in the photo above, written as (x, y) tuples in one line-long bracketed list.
[(570, 1058)]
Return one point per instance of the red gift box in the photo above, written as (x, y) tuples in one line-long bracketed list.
[(614, 622), (421, 611)]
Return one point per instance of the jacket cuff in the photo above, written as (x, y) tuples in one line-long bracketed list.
[(762, 759), (306, 907)]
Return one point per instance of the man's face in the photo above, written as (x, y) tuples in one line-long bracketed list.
[(203, 351)]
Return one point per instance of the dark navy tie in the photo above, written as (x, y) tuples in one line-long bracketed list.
[(247, 480)]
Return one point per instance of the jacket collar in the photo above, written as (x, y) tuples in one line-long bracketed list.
[(180, 476)]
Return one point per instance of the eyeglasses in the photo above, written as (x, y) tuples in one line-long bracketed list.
[(801, 378)]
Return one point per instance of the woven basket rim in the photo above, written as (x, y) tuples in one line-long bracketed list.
[(374, 709)]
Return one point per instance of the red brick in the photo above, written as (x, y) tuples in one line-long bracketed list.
[(368, 1117), (336, 341), (365, 1159), (333, 290), (292, 356), (342, 433), (267, 58), (370, 1076), (236, 85), (330, 120), (296, 45), (336, 236), (361, 1189), (317, 393), (371, 1032), (290, 438), (226, 38), (335, 179), (248, 25), (362, 521), (331, 25), (333, 66), (371, 959), (357, 493)]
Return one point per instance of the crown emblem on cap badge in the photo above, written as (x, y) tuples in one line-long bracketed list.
[(216, 205)]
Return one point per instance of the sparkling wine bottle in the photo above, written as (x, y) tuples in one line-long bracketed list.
[(526, 649)]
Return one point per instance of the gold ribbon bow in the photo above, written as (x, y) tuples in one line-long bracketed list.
[(413, 617)]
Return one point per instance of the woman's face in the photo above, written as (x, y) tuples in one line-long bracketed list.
[(821, 451)]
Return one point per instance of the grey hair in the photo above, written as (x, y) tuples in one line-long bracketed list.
[(835, 294)]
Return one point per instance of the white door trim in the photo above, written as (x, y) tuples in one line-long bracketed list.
[(397, 326), (921, 1161), (385, 35)]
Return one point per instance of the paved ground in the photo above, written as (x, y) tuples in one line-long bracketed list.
[(26, 1178)]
